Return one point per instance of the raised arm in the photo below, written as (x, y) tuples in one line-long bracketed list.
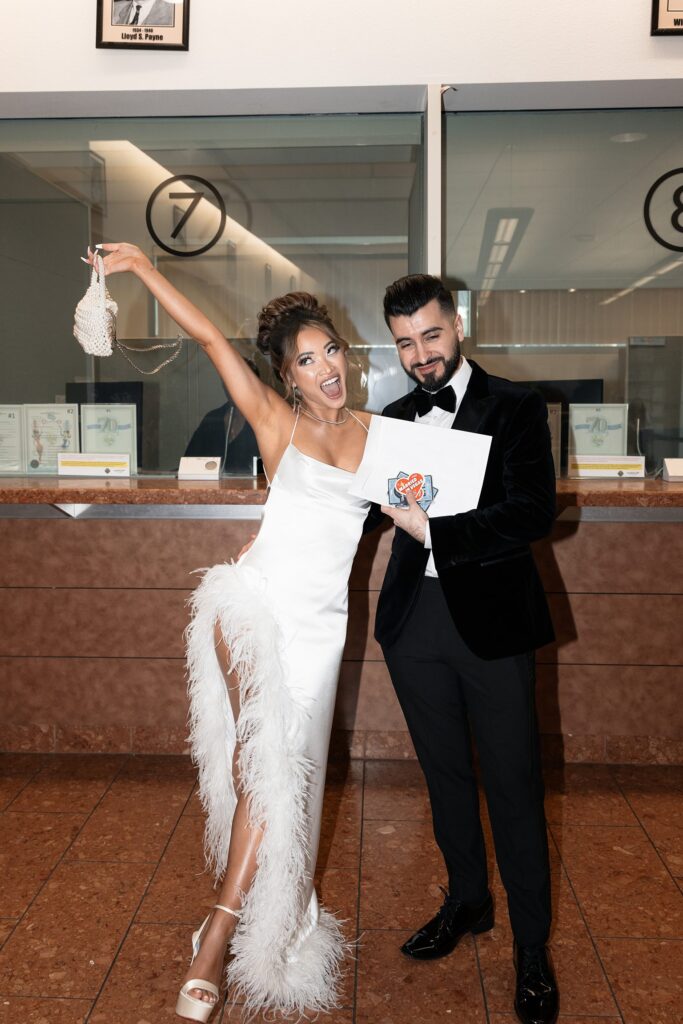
[(258, 403)]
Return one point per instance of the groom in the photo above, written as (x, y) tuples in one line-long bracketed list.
[(461, 611)]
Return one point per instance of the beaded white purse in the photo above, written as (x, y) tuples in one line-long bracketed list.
[(95, 325), (95, 316)]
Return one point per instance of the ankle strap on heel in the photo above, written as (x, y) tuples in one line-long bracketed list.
[(228, 910)]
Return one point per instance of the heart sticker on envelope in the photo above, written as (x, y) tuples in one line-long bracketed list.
[(413, 484), (420, 485)]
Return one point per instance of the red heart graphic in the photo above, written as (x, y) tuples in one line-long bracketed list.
[(415, 483)]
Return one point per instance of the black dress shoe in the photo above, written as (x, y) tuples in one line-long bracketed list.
[(441, 935), (536, 999)]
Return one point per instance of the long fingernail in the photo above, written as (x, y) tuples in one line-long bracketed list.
[(84, 260), (98, 246)]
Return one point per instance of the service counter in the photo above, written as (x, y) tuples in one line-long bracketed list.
[(240, 491), (95, 576)]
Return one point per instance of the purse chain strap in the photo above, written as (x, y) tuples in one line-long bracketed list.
[(124, 349)]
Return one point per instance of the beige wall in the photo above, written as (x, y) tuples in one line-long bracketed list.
[(272, 46), (93, 612)]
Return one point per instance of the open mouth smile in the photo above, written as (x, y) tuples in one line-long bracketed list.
[(332, 386)]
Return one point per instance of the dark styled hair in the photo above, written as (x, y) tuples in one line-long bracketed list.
[(279, 323), (405, 296)]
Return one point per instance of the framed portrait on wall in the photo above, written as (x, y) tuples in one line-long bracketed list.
[(143, 24), (667, 18)]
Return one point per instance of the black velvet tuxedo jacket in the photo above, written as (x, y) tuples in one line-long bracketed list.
[(483, 559)]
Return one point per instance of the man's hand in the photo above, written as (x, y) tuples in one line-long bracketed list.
[(411, 519)]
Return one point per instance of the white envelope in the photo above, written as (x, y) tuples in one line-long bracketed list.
[(455, 459)]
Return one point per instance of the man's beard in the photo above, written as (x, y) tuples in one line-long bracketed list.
[(433, 383)]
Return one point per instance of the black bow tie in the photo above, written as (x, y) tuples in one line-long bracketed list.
[(425, 400)]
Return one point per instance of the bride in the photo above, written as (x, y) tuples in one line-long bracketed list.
[(264, 647)]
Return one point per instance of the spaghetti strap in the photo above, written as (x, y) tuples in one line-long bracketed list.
[(356, 418), (298, 410), (291, 438)]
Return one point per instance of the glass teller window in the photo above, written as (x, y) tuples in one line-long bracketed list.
[(234, 211), (571, 288)]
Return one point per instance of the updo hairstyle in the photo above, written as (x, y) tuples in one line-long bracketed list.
[(279, 323)]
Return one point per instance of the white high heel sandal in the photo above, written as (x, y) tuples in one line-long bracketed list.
[(189, 1006)]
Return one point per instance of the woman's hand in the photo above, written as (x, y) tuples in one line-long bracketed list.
[(260, 405), (120, 256)]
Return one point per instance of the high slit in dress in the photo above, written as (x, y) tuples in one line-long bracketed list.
[(282, 610)]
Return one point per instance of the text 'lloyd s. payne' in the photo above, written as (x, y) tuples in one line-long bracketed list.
[(142, 35)]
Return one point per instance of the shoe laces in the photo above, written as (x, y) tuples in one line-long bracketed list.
[(450, 903), (533, 964)]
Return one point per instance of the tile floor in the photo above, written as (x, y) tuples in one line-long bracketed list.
[(102, 882)]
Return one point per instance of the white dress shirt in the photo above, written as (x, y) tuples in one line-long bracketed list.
[(438, 417)]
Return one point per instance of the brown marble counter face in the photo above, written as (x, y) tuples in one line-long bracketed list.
[(152, 490), (50, 490), (618, 494)]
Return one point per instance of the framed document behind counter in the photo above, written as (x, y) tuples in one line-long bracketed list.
[(12, 439), (598, 429), (110, 428), (107, 393), (49, 430), (564, 392)]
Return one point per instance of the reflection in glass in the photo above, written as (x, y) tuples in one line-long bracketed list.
[(311, 203), (545, 226)]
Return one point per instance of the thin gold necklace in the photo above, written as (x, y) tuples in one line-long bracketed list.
[(330, 423)]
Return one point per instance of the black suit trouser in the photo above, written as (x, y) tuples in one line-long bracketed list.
[(448, 694)]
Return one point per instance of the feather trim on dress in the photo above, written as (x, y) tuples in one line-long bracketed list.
[(286, 957)]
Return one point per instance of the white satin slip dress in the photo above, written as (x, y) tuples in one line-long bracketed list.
[(283, 610)]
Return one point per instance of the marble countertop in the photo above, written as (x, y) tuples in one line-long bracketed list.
[(618, 494), (157, 490), (147, 490)]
